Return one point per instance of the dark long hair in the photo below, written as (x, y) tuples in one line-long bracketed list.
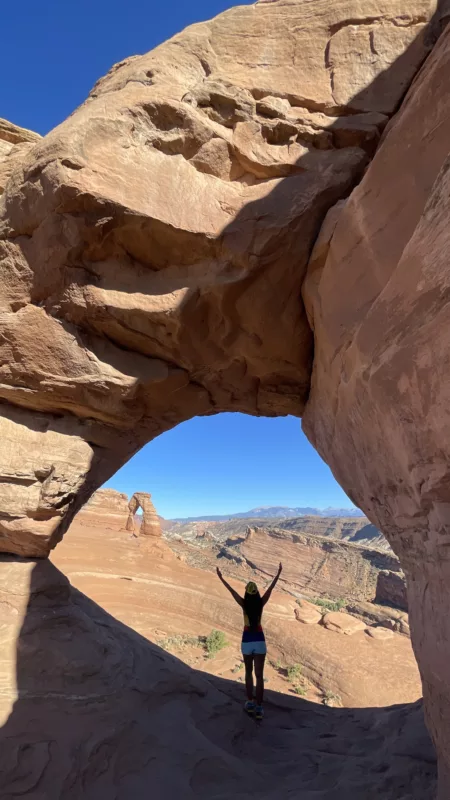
[(253, 608)]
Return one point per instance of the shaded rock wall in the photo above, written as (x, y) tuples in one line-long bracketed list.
[(378, 411), (391, 590)]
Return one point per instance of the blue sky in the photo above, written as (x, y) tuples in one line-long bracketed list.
[(52, 53), (229, 463)]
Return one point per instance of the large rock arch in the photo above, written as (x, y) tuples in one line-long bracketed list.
[(154, 250), (150, 525)]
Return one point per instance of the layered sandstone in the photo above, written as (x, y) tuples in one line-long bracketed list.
[(147, 244), (391, 589), (146, 241), (379, 406), (315, 565), (15, 144), (106, 509), (150, 524)]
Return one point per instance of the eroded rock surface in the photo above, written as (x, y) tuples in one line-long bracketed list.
[(15, 143), (339, 622), (150, 525), (146, 242), (91, 708), (391, 589), (379, 406), (106, 507), (320, 566)]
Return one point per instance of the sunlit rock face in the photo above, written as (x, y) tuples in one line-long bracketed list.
[(150, 524)]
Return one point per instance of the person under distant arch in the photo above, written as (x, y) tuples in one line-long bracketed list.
[(253, 644)]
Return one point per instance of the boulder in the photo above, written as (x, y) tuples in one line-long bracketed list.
[(339, 622), (307, 613), (391, 589), (379, 633), (376, 616)]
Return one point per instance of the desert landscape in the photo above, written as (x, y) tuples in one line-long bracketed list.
[(252, 218), (168, 592)]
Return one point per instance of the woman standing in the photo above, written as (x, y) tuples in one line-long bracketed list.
[(253, 641)]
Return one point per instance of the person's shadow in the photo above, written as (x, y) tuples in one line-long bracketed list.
[(100, 712)]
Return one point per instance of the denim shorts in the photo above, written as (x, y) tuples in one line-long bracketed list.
[(253, 648)]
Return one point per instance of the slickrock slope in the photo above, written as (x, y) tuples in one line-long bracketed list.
[(108, 714), (146, 241), (161, 597)]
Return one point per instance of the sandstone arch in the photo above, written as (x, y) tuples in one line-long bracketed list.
[(126, 309), (150, 525)]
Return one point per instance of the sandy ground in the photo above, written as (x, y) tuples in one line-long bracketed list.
[(170, 603)]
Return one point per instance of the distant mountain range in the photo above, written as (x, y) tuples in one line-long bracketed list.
[(275, 512)]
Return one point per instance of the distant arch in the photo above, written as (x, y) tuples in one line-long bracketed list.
[(150, 525)]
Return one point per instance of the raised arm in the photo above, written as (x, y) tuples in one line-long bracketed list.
[(268, 592), (237, 597)]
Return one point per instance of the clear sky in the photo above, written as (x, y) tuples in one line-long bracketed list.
[(229, 463), (51, 55), (53, 51)]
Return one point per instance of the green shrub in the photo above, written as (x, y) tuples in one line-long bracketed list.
[(178, 641), (301, 690), (214, 642), (294, 673), (331, 698), (330, 605)]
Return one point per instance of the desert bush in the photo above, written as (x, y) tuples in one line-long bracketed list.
[(330, 605), (178, 641), (294, 673), (331, 698), (214, 642)]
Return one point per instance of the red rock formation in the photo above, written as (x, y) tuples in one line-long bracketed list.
[(391, 590), (105, 505), (150, 525), (148, 308), (379, 410), (319, 566), (148, 243)]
